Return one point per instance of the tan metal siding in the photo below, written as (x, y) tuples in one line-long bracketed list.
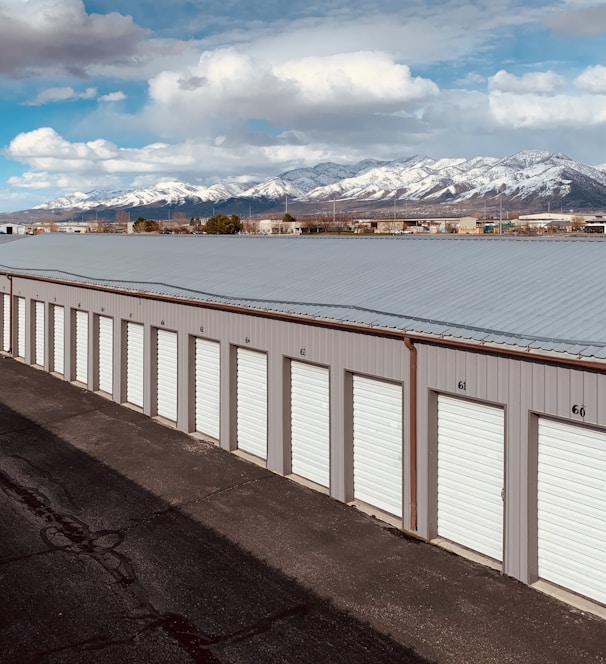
[(341, 351), (523, 388)]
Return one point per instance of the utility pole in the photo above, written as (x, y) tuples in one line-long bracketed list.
[(395, 198)]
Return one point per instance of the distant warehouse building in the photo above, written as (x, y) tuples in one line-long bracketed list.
[(13, 229), (456, 386)]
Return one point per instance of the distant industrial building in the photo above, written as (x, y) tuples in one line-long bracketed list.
[(13, 229)]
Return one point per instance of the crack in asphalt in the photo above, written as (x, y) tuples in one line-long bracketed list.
[(49, 478), (195, 501), (67, 533)]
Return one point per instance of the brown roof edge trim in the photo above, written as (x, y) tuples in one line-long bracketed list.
[(477, 347)]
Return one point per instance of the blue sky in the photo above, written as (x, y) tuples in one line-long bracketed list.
[(112, 95)]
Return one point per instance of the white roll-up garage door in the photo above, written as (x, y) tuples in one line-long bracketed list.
[(572, 507), (39, 334), (252, 402), (6, 322), (82, 347), (471, 450), (310, 422), (377, 443), (20, 327), (134, 363), (166, 377), (58, 340), (105, 350), (207, 381)]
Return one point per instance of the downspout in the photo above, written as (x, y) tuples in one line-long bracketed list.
[(413, 430), (10, 315)]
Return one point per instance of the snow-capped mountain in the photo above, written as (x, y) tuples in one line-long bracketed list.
[(522, 177), (299, 182), (525, 179), (164, 193)]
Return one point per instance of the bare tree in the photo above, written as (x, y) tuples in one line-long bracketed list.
[(578, 224)]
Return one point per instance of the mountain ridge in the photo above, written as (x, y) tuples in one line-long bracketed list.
[(528, 179)]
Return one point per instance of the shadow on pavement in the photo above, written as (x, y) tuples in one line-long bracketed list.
[(95, 568)]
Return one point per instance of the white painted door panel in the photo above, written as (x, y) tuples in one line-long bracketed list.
[(58, 339), (106, 354), (377, 443), (20, 350), (82, 347), (208, 387), (6, 322), (252, 402), (134, 363), (167, 374), (471, 448), (310, 422), (571, 504), (39, 334)]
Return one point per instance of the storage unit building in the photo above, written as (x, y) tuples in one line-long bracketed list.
[(391, 373)]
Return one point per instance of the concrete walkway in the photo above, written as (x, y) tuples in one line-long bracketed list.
[(125, 541)]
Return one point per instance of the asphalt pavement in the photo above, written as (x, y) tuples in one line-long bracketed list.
[(125, 541)]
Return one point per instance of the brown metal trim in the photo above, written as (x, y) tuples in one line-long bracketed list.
[(528, 355), (413, 430), (477, 347)]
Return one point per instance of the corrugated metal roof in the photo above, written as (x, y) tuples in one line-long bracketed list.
[(536, 293), (10, 237)]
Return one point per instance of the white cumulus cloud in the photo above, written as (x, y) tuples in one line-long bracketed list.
[(113, 97), (227, 87), (53, 161), (364, 76), (536, 83), (537, 111), (592, 80), (54, 95)]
